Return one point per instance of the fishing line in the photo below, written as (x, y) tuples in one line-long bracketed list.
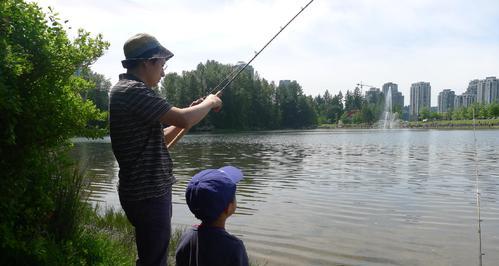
[(477, 195), (228, 77)]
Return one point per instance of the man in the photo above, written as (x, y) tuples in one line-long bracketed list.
[(136, 116)]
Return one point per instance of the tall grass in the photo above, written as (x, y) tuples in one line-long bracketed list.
[(68, 208)]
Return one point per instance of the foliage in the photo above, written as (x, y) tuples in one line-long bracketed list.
[(329, 109), (480, 111), (424, 113), (40, 110), (466, 123), (354, 100), (369, 113), (98, 94), (477, 110)]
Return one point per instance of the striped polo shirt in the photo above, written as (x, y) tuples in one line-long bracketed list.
[(137, 140)]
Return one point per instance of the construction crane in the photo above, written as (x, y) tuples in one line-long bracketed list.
[(362, 85)]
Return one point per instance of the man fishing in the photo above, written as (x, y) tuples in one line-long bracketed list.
[(137, 117)]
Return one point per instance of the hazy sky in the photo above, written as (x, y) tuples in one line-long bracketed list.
[(333, 44)]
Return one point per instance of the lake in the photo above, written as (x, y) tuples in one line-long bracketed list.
[(341, 197)]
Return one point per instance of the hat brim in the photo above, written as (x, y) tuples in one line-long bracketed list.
[(125, 62), (148, 58), (232, 173)]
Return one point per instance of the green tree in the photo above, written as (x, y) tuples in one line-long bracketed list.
[(435, 116), (98, 94), (369, 113), (335, 110), (329, 108), (494, 109), (458, 114), (297, 110), (354, 100), (41, 108), (250, 102), (424, 113)]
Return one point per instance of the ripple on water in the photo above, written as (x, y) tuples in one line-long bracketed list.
[(343, 197)]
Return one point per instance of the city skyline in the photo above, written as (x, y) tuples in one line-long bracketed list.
[(333, 45), (485, 91)]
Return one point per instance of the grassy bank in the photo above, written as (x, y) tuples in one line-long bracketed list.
[(336, 126), (458, 124), (448, 124)]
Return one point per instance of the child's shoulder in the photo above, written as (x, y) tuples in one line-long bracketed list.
[(220, 234)]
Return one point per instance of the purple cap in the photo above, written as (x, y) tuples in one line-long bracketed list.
[(210, 191)]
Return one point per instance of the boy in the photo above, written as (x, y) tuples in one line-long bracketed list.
[(211, 197)]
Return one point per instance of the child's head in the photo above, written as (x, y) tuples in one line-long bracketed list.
[(213, 191)]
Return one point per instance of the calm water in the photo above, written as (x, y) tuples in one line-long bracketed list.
[(342, 197)]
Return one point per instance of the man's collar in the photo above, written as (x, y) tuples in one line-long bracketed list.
[(129, 77)]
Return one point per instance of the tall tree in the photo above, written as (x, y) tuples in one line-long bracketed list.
[(41, 108), (336, 108)]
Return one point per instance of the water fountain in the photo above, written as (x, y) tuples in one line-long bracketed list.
[(389, 119)]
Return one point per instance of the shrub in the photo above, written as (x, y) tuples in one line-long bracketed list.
[(40, 110)]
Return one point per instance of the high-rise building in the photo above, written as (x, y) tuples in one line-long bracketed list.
[(373, 95), (468, 97), (472, 87), (446, 101), (397, 97), (420, 98), (488, 90), (464, 100), (390, 85)]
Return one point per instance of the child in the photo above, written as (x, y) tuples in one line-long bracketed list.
[(211, 197)]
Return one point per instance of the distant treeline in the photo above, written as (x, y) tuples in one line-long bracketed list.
[(251, 102)]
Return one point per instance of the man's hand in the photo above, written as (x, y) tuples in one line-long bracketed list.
[(216, 103), (196, 102)]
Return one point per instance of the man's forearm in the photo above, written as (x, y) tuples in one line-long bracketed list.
[(170, 133)]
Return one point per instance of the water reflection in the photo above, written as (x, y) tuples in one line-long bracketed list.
[(98, 159), (343, 197)]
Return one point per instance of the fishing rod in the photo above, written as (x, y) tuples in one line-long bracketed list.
[(480, 253), (233, 76), (263, 48)]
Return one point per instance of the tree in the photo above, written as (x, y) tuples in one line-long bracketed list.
[(424, 113), (494, 109), (336, 108), (353, 100), (435, 116), (297, 110), (98, 94), (369, 113), (41, 108)]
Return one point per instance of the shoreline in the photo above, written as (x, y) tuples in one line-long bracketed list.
[(443, 124)]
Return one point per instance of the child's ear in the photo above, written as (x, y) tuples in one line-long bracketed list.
[(231, 208)]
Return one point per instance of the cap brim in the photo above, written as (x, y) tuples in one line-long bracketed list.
[(232, 173)]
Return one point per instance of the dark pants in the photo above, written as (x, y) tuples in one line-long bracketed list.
[(152, 221)]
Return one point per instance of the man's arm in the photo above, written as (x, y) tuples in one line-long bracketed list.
[(190, 116), (170, 133)]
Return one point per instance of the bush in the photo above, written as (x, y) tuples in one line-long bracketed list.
[(40, 110)]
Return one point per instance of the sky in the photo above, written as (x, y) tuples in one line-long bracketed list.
[(333, 45)]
